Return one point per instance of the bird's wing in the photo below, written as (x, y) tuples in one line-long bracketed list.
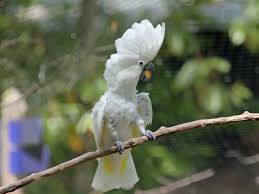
[(98, 114), (145, 108)]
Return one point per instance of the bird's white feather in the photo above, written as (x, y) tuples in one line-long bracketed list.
[(104, 181), (141, 42), (115, 64), (145, 107), (98, 119)]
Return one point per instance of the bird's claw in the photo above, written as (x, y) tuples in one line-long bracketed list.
[(149, 134), (119, 146)]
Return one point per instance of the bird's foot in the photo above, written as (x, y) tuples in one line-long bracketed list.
[(149, 134), (119, 146)]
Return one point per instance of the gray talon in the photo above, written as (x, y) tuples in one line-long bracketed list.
[(119, 146), (149, 134)]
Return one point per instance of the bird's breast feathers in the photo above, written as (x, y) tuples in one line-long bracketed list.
[(122, 108)]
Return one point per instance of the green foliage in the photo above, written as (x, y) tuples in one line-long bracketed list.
[(200, 70), (182, 43), (244, 30), (203, 75)]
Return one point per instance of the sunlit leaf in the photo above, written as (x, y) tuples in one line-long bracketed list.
[(85, 123), (240, 93), (237, 34), (213, 101)]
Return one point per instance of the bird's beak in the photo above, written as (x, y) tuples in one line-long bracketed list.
[(147, 72)]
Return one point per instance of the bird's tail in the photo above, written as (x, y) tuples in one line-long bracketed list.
[(114, 172)]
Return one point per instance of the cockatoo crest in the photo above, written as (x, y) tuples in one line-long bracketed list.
[(139, 43)]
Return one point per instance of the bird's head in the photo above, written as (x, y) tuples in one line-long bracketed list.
[(135, 50)]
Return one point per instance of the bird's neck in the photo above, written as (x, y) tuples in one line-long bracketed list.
[(125, 90)]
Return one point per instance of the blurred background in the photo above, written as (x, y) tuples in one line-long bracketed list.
[(54, 52)]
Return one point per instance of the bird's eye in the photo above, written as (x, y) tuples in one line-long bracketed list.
[(141, 63)]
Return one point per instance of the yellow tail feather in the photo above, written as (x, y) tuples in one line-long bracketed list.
[(123, 165), (107, 165)]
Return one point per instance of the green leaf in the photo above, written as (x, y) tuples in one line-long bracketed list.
[(213, 101), (186, 75), (239, 93), (85, 123), (200, 70), (237, 33)]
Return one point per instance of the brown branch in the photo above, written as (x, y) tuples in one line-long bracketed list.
[(169, 188), (246, 160), (246, 116)]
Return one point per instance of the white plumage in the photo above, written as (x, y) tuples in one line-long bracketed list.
[(122, 114), (141, 42)]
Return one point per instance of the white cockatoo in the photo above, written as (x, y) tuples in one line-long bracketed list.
[(121, 113)]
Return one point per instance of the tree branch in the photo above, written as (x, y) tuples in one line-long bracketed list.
[(169, 188), (246, 116)]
